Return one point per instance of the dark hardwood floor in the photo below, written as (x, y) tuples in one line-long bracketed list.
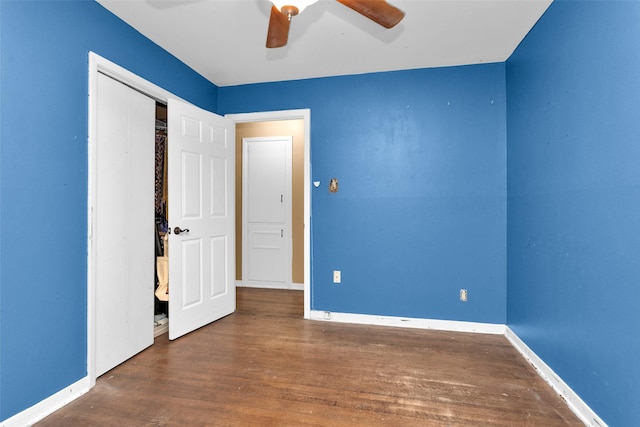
[(266, 366)]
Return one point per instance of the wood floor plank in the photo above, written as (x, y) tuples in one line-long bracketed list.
[(266, 366)]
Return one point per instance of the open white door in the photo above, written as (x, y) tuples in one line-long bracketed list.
[(201, 214)]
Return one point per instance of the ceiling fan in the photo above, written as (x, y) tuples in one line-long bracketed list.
[(282, 11)]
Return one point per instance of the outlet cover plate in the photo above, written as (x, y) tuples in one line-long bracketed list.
[(337, 276)]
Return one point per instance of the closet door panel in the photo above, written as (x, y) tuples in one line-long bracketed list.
[(124, 223)]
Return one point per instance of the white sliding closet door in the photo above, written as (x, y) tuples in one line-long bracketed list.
[(123, 221)]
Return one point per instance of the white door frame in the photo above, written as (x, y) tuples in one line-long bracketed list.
[(98, 64), (305, 115)]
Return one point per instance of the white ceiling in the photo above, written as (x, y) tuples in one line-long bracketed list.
[(224, 40)]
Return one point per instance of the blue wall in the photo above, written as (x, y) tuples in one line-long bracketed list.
[(43, 181), (573, 96), (421, 211), (422, 206)]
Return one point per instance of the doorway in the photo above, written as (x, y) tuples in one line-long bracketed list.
[(272, 133), (278, 123)]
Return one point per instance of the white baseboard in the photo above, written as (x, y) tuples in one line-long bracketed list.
[(267, 285), (575, 403), (409, 322), (49, 405)]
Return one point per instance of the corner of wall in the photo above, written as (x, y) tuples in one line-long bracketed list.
[(575, 403)]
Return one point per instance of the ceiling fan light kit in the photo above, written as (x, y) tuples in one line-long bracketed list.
[(378, 11), (292, 7)]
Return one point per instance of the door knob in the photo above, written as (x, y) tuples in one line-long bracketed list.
[(179, 230)]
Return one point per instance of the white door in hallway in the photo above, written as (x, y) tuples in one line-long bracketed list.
[(201, 155), (267, 212)]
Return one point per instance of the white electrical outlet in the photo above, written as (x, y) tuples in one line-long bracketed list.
[(463, 295), (336, 276)]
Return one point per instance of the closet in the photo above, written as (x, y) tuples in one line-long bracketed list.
[(129, 131), (161, 293)]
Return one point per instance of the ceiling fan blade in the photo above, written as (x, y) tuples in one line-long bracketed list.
[(378, 11), (278, 32)]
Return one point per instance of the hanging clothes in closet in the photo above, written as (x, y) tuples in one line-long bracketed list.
[(161, 171), (162, 271)]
